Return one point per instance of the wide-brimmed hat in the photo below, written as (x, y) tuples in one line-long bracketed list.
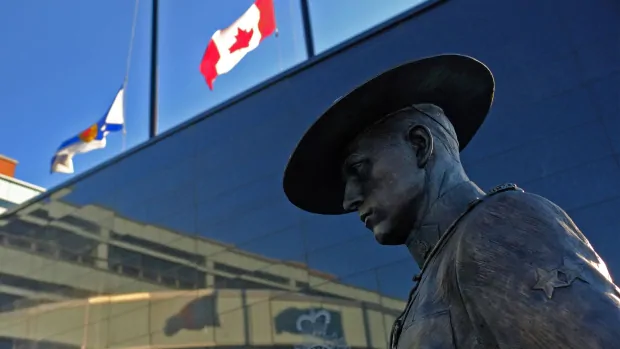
[(462, 86)]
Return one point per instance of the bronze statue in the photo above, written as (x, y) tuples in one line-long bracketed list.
[(502, 269)]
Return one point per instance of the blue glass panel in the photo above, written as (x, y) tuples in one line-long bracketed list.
[(324, 231), (581, 186), (509, 126), (396, 279), (185, 32), (548, 156), (354, 256), (336, 21)]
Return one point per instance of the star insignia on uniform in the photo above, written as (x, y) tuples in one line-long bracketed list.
[(564, 276)]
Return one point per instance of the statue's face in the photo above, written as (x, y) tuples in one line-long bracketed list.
[(385, 183)]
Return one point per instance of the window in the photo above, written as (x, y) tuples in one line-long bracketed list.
[(155, 269), (306, 289), (334, 22), (134, 240), (41, 286), (41, 213), (7, 302), (49, 240), (80, 223), (185, 32), (7, 204), (255, 273), (223, 282), (19, 343), (73, 247)]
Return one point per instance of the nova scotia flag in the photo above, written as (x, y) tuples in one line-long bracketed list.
[(92, 138)]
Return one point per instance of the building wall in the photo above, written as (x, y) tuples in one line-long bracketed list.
[(200, 318), (552, 130), (14, 192), (138, 285)]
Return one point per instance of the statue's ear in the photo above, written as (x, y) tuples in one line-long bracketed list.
[(421, 140)]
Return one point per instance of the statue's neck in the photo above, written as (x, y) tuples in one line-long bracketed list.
[(450, 202)]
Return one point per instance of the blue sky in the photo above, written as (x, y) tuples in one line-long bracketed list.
[(62, 62)]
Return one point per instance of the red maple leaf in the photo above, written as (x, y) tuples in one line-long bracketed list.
[(243, 40)]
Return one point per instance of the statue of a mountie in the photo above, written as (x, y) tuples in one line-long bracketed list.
[(502, 269)]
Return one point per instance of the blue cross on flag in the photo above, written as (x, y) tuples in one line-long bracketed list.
[(94, 137)]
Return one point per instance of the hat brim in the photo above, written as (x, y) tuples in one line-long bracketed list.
[(462, 86)]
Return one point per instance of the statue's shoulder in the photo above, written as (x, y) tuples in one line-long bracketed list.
[(522, 264), (520, 235), (518, 220)]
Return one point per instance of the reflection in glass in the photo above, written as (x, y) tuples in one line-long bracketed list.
[(190, 241), (334, 22), (139, 283), (185, 32)]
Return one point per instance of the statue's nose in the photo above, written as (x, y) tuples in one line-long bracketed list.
[(352, 198)]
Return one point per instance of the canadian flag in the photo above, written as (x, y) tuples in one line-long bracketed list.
[(228, 46)]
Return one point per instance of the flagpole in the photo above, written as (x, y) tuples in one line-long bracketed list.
[(307, 26), (129, 54), (153, 117)]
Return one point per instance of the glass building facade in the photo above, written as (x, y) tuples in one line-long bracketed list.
[(189, 241)]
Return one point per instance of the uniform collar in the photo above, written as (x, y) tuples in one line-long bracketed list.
[(445, 210)]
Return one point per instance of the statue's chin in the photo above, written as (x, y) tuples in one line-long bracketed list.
[(385, 236)]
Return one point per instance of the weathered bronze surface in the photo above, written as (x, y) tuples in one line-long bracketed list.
[(502, 269)]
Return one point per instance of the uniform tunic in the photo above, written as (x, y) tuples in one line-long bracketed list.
[(511, 271)]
